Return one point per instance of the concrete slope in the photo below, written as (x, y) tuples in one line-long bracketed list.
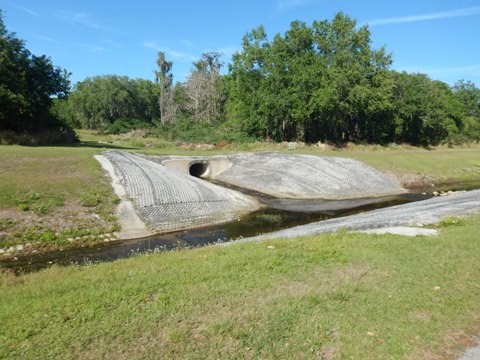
[(412, 214), (307, 177), (168, 200), (471, 353), (131, 226)]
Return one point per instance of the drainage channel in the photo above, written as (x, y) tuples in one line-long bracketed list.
[(261, 222)]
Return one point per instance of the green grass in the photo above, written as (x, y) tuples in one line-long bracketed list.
[(443, 165), (346, 296), (34, 173), (43, 187)]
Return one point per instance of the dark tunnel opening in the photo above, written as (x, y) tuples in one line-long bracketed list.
[(198, 169)]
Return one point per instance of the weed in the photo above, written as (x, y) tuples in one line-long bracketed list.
[(137, 144), (47, 236), (33, 196), (91, 199), (42, 207), (270, 218), (23, 207), (452, 221), (6, 224), (115, 200), (33, 201)]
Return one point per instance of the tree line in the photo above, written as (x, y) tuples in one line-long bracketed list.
[(322, 82), (325, 82)]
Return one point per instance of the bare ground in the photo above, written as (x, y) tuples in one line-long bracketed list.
[(26, 227)]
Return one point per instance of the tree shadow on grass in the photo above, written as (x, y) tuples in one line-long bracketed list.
[(81, 144), (102, 145)]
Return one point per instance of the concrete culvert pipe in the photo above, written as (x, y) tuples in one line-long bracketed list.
[(199, 169)]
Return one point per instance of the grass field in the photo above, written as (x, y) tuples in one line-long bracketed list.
[(51, 194), (342, 296)]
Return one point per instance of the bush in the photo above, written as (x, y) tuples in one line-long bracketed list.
[(192, 131), (122, 126), (60, 135)]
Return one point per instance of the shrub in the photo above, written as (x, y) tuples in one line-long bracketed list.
[(193, 131), (122, 126)]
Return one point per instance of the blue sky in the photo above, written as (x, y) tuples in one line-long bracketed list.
[(88, 38)]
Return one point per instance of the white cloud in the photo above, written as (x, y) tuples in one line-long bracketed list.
[(23, 8), (113, 44), (95, 49), (28, 10), (46, 38), (465, 71), (150, 45), (187, 42), (173, 53), (291, 4), (228, 51), (425, 17), (85, 20), (180, 56), (91, 48)]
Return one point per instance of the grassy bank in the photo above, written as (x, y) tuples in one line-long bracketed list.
[(337, 296), (414, 166), (50, 196)]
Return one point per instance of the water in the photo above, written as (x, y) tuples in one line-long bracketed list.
[(260, 222)]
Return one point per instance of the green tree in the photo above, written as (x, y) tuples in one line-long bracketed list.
[(146, 95), (246, 85), (97, 102), (469, 96), (28, 85), (426, 111), (323, 82), (353, 100)]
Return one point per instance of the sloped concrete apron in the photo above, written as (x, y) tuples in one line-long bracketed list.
[(130, 224), (412, 214), (290, 176), (167, 200)]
